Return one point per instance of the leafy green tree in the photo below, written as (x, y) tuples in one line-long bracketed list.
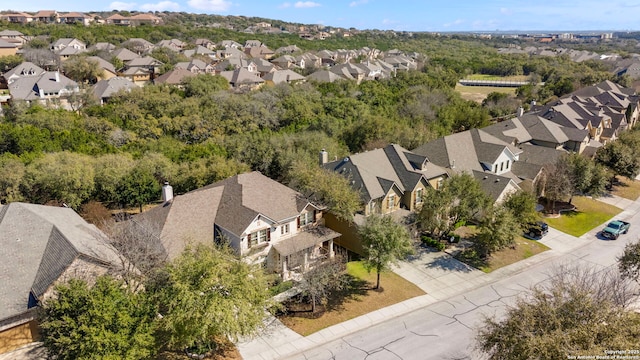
[(556, 183), (207, 292), (587, 176), (327, 188), (82, 69), (629, 261), (384, 243), (522, 205), (619, 158), (12, 172), (110, 172), (498, 230), (576, 312), (138, 188), (203, 85), (459, 200), (63, 176), (105, 321), (8, 62)]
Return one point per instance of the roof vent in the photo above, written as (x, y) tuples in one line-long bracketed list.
[(485, 177), (497, 180)]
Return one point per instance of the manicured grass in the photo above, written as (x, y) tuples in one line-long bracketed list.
[(523, 249), (359, 301), (626, 188), (479, 93), (589, 213), (496, 77)]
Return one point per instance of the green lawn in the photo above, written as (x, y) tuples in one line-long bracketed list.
[(359, 300), (589, 214)]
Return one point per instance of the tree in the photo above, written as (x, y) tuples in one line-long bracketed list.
[(64, 176), (578, 311), (522, 205), (498, 230), (138, 188), (328, 188), (384, 242), (556, 182), (587, 176), (82, 69), (203, 85), (620, 158), (105, 321), (323, 280), (629, 262), (207, 292), (459, 200), (12, 172)]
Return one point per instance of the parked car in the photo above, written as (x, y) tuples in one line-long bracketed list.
[(615, 228), (537, 230)]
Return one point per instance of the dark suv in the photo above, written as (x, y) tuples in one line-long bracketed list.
[(536, 230)]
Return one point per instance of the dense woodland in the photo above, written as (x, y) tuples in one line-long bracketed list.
[(120, 153)]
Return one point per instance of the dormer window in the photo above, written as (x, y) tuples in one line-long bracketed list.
[(306, 218), (258, 237)]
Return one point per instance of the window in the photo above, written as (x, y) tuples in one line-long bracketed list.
[(306, 218), (501, 166), (284, 229), (391, 201), (419, 196), (508, 163), (495, 168), (440, 183), (372, 207), (258, 237)]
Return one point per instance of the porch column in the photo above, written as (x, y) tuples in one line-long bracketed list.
[(331, 252), (284, 267), (305, 263)]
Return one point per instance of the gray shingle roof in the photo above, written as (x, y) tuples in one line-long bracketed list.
[(38, 244), (232, 204), (106, 88)]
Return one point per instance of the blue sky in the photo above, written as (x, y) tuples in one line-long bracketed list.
[(410, 15)]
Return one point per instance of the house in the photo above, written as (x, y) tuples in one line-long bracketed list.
[(7, 48), (23, 70), (124, 55), (49, 89), (139, 45), (206, 43), (147, 63), (173, 44), (102, 47), (199, 50), (138, 75), (283, 76), (325, 76), (14, 37), (144, 19), (261, 51), (17, 17), (474, 150), (105, 89), (117, 19), (196, 66), (46, 16), (64, 43), (76, 18), (108, 70), (391, 181), (289, 49), (42, 246), (285, 62), (264, 221), (174, 77), (242, 79)]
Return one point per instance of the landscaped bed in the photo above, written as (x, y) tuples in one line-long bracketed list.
[(589, 213), (358, 300)]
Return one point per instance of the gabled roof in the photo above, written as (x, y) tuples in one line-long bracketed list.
[(466, 150), (241, 76), (173, 77), (125, 54), (143, 61), (373, 172), (494, 185), (8, 32), (24, 69), (104, 64), (281, 76), (106, 88), (38, 244), (27, 88), (325, 76), (232, 204)]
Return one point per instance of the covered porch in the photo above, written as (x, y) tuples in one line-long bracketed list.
[(297, 254)]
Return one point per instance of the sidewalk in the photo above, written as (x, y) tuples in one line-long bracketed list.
[(437, 273)]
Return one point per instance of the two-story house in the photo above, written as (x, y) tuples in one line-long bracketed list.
[(391, 181), (477, 153), (264, 221)]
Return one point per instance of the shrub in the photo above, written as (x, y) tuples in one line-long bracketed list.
[(436, 244)]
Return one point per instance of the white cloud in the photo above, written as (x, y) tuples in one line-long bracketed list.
[(457, 22), (284, 5), (305, 4), (161, 6), (358, 2), (505, 11), (211, 5), (119, 5)]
